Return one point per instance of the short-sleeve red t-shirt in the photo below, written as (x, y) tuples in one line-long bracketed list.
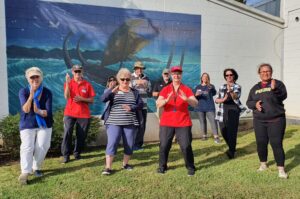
[(79, 109), (175, 112)]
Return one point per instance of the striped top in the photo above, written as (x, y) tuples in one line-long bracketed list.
[(118, 115)]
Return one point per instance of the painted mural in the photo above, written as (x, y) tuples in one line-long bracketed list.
[(53, 36)]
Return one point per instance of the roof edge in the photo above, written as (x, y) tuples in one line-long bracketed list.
[(250, 11)]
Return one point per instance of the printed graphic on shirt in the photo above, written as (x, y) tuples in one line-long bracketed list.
[(263, 90)]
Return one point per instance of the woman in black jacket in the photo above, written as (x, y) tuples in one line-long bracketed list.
[(266, 101)]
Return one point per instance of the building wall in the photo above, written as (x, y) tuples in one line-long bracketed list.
[(291, 69), (3, 67), (233, 35)]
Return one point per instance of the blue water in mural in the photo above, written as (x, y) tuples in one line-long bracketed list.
[(54, 77)]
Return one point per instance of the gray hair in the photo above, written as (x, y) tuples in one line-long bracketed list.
[(123, 71)]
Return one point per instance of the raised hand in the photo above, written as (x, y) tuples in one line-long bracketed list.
[(78, 98), (115, 90), (112, 84), (225, 97), (198, 92), (182, 95), (258, 105), (68, 79), (169, 96), (273, 83), (126, 107), (229, 88)]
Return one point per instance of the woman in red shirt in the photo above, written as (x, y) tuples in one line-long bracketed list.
[(175, 119)]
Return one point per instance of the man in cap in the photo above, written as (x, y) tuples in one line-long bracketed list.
[(165, 80), (142, 83), (79, 93)]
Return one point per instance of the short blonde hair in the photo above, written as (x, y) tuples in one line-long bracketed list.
[(123, 71), (33, 71)]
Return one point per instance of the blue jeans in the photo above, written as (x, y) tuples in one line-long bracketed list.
[(203, 123), (114, 134)]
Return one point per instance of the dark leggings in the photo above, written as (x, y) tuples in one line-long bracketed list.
[(273, 132), (229, 127)]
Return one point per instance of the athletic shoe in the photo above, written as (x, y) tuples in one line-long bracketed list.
[(161, 171), (138, 148), (106, 171), (262, 167), (23, 179), (217, 140), (204, 138), (65, 160), (77, 157), (230, 154), (191, 172), (38, 173), (127, 167), (282, 174)]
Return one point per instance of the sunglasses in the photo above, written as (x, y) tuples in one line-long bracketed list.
[(77, 71), (110, 80), (35, 77), (125, 79), (166, 73), (229, 75)]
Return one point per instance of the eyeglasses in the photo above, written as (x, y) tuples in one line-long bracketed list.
[(35, 77), (77, 71), (228, 75), (176, 73), (166, 73), (110, 80), (268, 71), (125, 79)]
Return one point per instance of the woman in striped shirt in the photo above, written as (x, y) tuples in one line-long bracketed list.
[(121, 119)]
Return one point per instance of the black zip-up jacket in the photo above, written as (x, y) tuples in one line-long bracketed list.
[(272, 100)]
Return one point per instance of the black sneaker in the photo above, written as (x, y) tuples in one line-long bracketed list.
[(106, 171), (230, 154), (65, 160), (161, 171), (127, 167), (38, 173), (77, 157), (191, 172)]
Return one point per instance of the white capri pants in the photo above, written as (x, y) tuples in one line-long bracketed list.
[(34, 147)]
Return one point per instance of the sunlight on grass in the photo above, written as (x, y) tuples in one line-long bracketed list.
[(216, 176)]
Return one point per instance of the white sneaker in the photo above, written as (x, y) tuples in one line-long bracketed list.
[(262, 167), (23, 178), (282, 174)]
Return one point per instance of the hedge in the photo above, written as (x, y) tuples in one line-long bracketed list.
[(10, 134)]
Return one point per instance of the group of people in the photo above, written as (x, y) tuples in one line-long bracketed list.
[(125, 115)]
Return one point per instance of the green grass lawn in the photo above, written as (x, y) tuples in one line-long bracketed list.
[(216, 176)]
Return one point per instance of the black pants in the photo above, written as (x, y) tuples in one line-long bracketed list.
[(184, 138), (229, 127), (273, 132), (139, 139), (82, 125)]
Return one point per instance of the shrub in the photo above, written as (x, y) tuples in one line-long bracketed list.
[(9, 132)]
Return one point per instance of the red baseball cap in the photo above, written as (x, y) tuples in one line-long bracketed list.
[(176, 69)]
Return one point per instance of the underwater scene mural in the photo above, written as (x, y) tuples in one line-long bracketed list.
[(54, 36)]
